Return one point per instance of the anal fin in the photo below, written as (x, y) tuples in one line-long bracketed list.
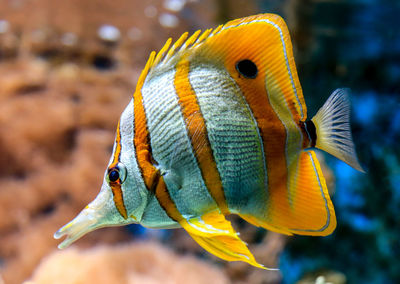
[(216, 235), (311, 207), (303, 207)]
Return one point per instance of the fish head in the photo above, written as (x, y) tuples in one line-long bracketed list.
[(122, 199)]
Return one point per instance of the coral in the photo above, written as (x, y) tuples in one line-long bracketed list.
[(145, 263), (54, 150)]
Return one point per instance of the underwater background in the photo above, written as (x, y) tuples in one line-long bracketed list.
[(68, 69)]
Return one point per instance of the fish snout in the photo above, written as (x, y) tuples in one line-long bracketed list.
[(85, 222), (101, 212)]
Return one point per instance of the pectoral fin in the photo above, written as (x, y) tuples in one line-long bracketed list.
[(216, 235)]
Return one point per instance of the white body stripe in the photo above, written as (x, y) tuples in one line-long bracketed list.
[(135, 200), (171, 146), (136, 196), (233, 136)]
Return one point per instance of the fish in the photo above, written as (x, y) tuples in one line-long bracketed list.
[(218, 125)]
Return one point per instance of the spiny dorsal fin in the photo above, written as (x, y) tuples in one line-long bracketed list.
[(161, 53), (145, 71), (175, 46), (168, 52)]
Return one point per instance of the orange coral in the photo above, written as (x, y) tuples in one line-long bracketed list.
[(144, 263)]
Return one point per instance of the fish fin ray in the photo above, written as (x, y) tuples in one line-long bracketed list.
[(216, 235), (163, 51), (332, 123), (145, 71), (181, 45), (175, 46)]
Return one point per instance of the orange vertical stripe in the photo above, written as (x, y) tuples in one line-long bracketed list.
[(142, 142), (260, 37), (262, 45), (165, 200), (197, 132), (273, 134), (118, 199), (117, 152), (116, 186), (150, 174)]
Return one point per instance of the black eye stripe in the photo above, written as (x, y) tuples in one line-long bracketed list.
[(247, 68)]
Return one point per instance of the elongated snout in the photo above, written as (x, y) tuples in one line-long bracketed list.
[(101, 212), (85, 222)]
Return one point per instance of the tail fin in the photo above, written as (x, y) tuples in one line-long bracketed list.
[(332, 123)]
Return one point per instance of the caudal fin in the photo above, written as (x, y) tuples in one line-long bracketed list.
[(332, 123)]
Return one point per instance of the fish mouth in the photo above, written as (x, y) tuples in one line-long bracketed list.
[(85, 222), (101, 212)]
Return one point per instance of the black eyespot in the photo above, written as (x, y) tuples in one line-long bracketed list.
[(113, 175), (247, 68)]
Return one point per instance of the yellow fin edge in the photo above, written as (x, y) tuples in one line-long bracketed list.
[(216, 235)]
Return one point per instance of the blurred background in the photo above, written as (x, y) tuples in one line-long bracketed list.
[(68, 69)]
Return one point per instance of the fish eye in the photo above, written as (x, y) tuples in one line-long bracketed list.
[(247, 68), (113, 175), (116, 174)]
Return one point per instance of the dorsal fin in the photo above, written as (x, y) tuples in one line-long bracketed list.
[(145, 71), (183, 44), (263, 37), (168, 51), (162, 52), (264, 40), (175, 46)]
